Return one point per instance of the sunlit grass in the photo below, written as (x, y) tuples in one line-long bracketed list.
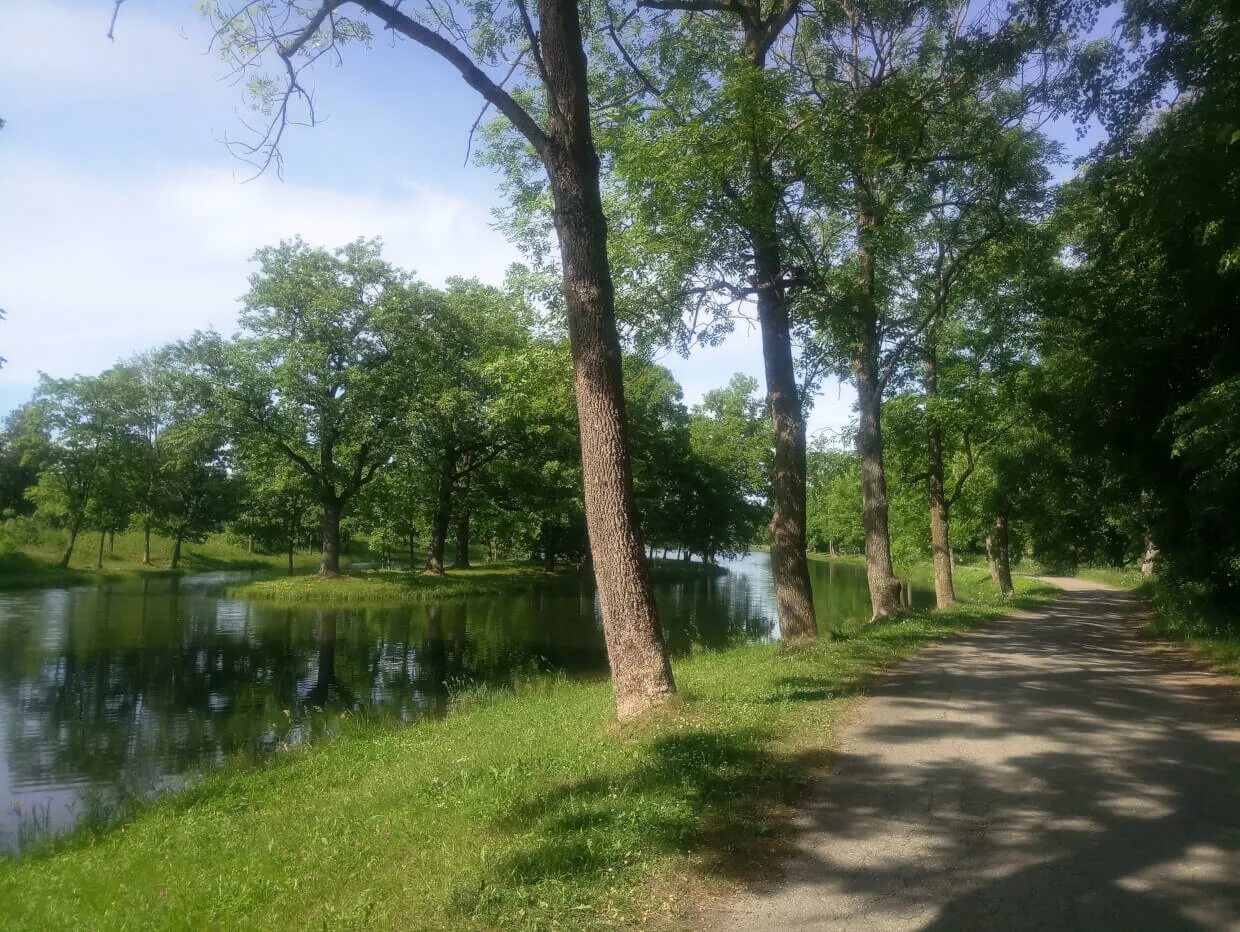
[(522, 810), (36, 563), (401, 586)]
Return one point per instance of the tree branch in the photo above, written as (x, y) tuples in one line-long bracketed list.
[(500, 99)]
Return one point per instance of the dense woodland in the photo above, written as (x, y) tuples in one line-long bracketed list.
[(1045, 370)]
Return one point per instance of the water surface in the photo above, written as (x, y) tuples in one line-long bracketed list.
[(124, 690)]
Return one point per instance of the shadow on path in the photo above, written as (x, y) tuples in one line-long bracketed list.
[(1050, 771)]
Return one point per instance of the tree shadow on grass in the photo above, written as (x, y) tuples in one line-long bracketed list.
[(1043, 773)]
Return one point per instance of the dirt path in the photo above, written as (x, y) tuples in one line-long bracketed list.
[(1050, 771)]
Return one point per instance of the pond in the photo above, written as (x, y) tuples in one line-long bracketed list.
[(121, 691)]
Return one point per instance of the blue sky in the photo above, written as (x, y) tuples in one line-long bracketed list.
[(126, 222)]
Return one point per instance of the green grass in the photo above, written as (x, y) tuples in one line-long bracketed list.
[(531, 810), (1180, 614), (399, 586), (35, 564)]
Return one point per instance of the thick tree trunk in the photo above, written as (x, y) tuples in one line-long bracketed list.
[(441, 516), (146, 543), (1003, 565), (176, 552), (103, 536), (462, 537), (640, 672), (74, 529), (833, 548), (884, 587), (332, 508), (940, 515)]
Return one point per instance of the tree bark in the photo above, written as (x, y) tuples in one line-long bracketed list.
[(74, 529), (940, 511), (991, 563), (462, 536), (788, 536), (332, 508), (1003, 565), (640, 672), (146, 543), (103, 536), (112, 542), (176, 552), (884, 587), (442, 515)]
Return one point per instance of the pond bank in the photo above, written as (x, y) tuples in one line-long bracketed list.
[(403, 586), (527, 810)]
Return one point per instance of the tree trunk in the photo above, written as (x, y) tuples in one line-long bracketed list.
[(146, 543), (74, 529), (103, 536), (413, 551), (462, 537), (833, 548), (640, 672), (442, 515), (1003, 565), (291, 546), (1151, 554), (991, 563), (940, 514), (332, 508), (176, 552), (249, 544), (112, 542), (884, 587), (794, 596)]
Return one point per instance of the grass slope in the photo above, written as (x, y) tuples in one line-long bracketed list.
[(520, 811), (35, 564)]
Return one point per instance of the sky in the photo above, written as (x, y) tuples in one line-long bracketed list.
[(126, 222)]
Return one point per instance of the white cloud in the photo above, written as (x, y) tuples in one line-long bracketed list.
[(93, 268)]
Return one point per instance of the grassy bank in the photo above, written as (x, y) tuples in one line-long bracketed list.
[(1182, 615), (401, 586), (35, 562), (518, 811)]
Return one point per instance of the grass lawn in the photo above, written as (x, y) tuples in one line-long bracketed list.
[(35, 564), (525, 811), (400, 586)]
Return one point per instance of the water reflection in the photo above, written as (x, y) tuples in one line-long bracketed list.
[(130, 689)]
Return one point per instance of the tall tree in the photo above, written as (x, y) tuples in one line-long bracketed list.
[(704, 151), (325, 368), (555, 121)]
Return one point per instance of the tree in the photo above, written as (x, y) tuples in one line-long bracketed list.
[(703, 148), (324, 370), (86, 434), (555, 121), (908, 100), (478, 338)]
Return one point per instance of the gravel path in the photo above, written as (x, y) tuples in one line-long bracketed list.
[(1050, 771)]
